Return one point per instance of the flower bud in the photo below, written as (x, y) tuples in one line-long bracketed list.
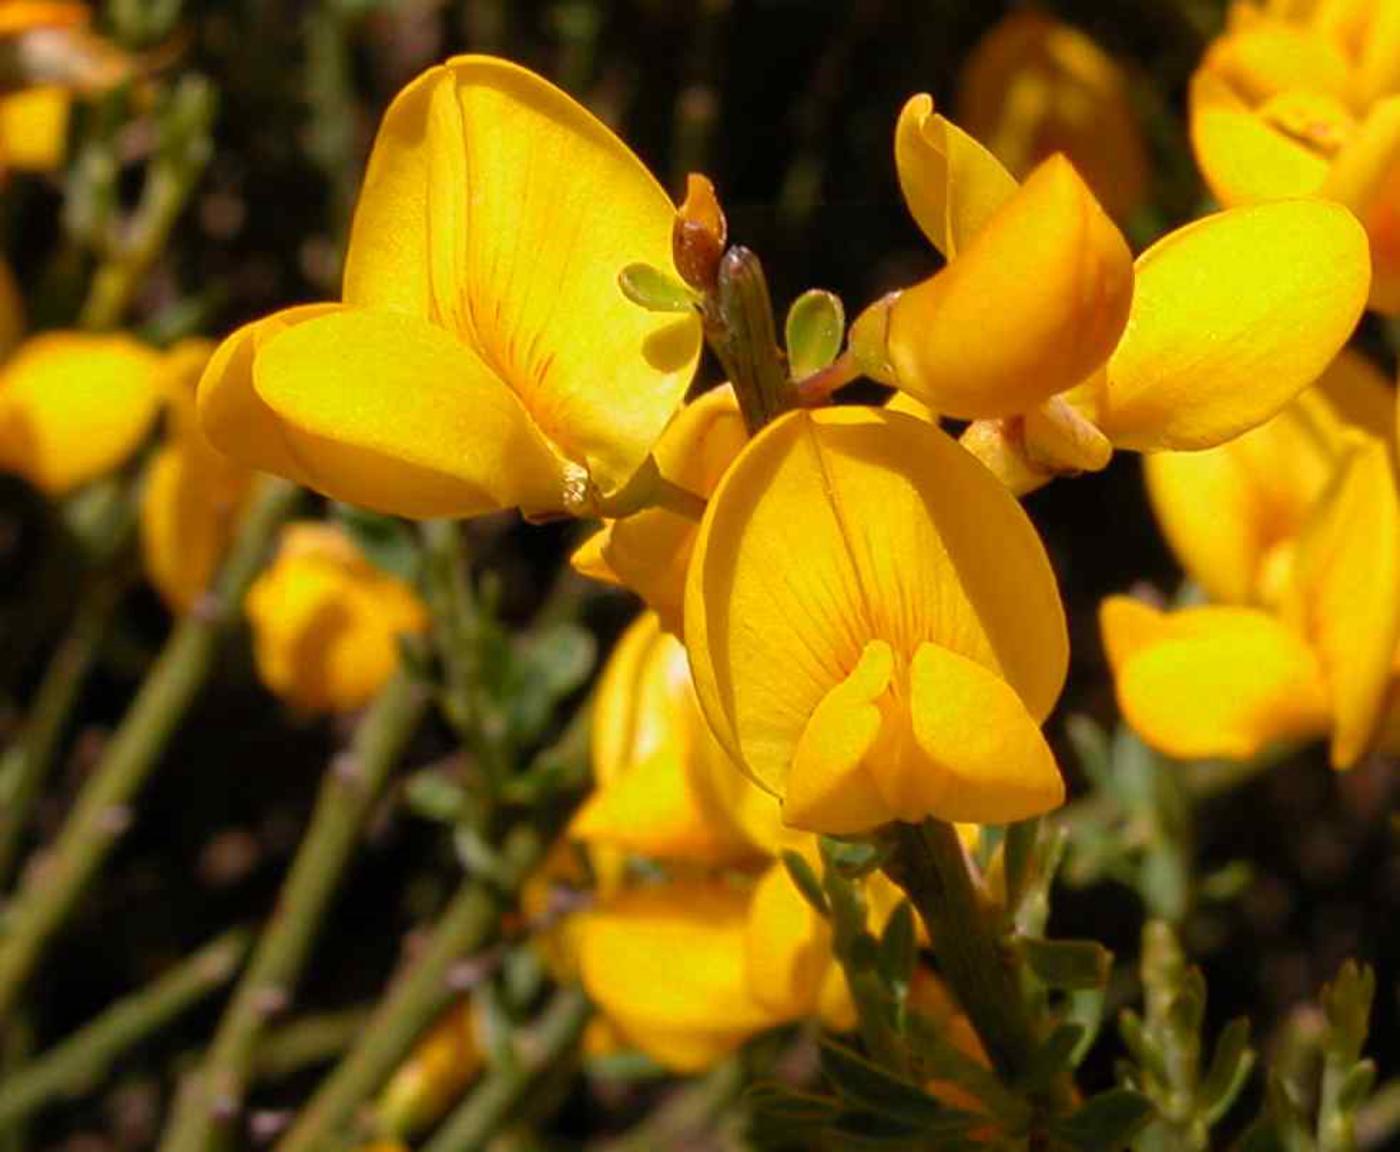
[(699, 233)]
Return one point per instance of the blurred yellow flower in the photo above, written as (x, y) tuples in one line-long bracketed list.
[(483, 356), (1045, 332), (648, 551), (437, 1072), (1304, 100), (1034, 86), (874, 629), (192, 495), (326, 621), (1229, 681), (74, 406)]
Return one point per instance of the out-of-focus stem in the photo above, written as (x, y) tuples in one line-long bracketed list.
[(415, 1000), (497, 1099), (306, 1042), (211, 1099), (74, 1064), (55, 882)]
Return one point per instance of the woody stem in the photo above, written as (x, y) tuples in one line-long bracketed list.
[(928, 862), (55, 882)]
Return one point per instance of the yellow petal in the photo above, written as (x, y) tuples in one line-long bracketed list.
[(1359, 394), (393, 413), (787, 947), (1244, 156), (1214, 681), (74, 406), (844, 526), (1060, 439), (1033, 305), (233, 416), (1379, 73), (952, 185), (986, 760), (1033, 87), (326, 622), (1000, 446), (1232, 317), (1365, 176), (1128, 626), (829, 788), (1225, 510), (649, 551), (499, 208), (1348, 572), (668, 965), (1272, 56), (34, 129)]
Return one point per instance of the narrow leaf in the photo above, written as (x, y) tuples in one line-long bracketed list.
[(816, 324)]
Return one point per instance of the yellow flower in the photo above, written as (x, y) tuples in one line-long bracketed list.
[(663, 784), (1233, 514), (326, 622), (192, 494), (434, 1076), (873, 627), (1045, 331), (667, 964), (648, 552), (1033, 87), (483, 356), (74, 406), (1229, 681), (1305, 101)]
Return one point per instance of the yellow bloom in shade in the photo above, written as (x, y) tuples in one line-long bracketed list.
[(667, 963), (74, 406), (1232, 514), (873, 627), (326, 622), (483, 356), (439, 1069), (193, 494), (648, 552), (1306, 102), (1061, 348), (661, 790), (1033, 87), (1229, 681), (34, 129)]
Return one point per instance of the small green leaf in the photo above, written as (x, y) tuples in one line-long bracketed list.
[(899, 949), (1052, 1057), (874, 1088), (776, 1101), (1074, 965), (1018, 855), (1106, 1122), (853, 859), (386, 542), (656, 291), (541, 671), (435, 796), (806, 882), (1230, 1065), (816, 325), (1092, 749), (1356, 1087), (940, 1059)]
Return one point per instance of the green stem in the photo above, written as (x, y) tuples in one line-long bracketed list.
[(77, 1062), (211, 1099), (498, 1098), (680, 1120), (742, 333), (416, 999), (307, 1042), (54, 884), (929, 864), (26, 762)]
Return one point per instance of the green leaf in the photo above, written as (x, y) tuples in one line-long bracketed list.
[(1075, 965), (542, 670), (1019, 855), (874, 1088), (773, 1100), (806, 882), (386, 542), (853, 859), (1356, 1087), (1106, 1122), (435, 796), (816, 325), (940, 1059), (1052, 1057), (899, 949), (649, 287), (1230, 1065), (1092, 749)]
